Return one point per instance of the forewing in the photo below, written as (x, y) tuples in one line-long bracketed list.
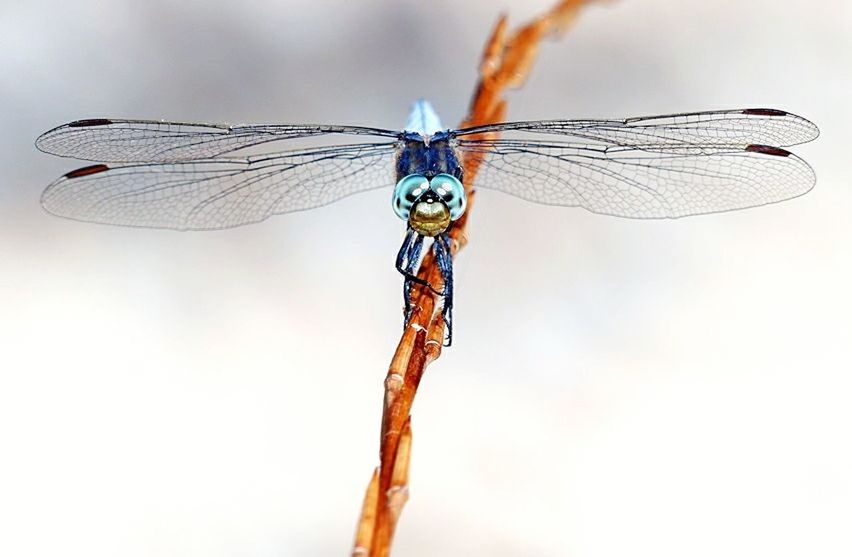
[(687, 133), (219, 192), (637, 183), (110, 140)]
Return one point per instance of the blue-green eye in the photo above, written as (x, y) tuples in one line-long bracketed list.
[(451, 191), (406, 193)]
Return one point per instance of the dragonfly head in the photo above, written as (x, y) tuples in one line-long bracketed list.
[(429, 205)]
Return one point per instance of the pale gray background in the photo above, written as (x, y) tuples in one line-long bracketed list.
[(617, 388)]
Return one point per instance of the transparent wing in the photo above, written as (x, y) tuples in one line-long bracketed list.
[(635, 182), (109, 140), (219, 192), (687, 133)]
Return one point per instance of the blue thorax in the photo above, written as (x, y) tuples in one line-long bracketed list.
[(427, 148)]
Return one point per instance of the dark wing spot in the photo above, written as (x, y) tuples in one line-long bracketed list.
[(86, 170), (90, 122), (764, 112), (767, 150)]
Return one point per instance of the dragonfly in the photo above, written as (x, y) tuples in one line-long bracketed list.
[(191, 176)]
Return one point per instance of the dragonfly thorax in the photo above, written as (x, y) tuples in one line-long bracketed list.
[(428, 155)]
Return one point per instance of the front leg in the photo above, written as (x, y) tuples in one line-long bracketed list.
[(406, 263), (408, 258)]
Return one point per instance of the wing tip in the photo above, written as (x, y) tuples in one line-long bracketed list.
[(774, 112), (48, 196), (42, 141)]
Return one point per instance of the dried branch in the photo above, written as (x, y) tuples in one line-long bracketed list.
[(506, 63)]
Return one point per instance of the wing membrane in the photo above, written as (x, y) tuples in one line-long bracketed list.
[(636, 183), (219, 192), (111, 140), (687, 133)]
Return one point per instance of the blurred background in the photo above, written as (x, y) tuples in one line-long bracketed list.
[(616, 387)]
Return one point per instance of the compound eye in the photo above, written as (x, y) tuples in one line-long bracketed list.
[(406, 193), (451, 191)]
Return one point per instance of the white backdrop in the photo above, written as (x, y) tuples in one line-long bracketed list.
[(616, 388)]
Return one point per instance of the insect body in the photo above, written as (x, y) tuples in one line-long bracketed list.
[(428, 195)]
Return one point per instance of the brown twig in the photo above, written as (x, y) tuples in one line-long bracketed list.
[(506, 62)]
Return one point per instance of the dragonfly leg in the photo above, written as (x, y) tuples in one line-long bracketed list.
[(408, 258), (407, 261), (408, 271), (444, 259)]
